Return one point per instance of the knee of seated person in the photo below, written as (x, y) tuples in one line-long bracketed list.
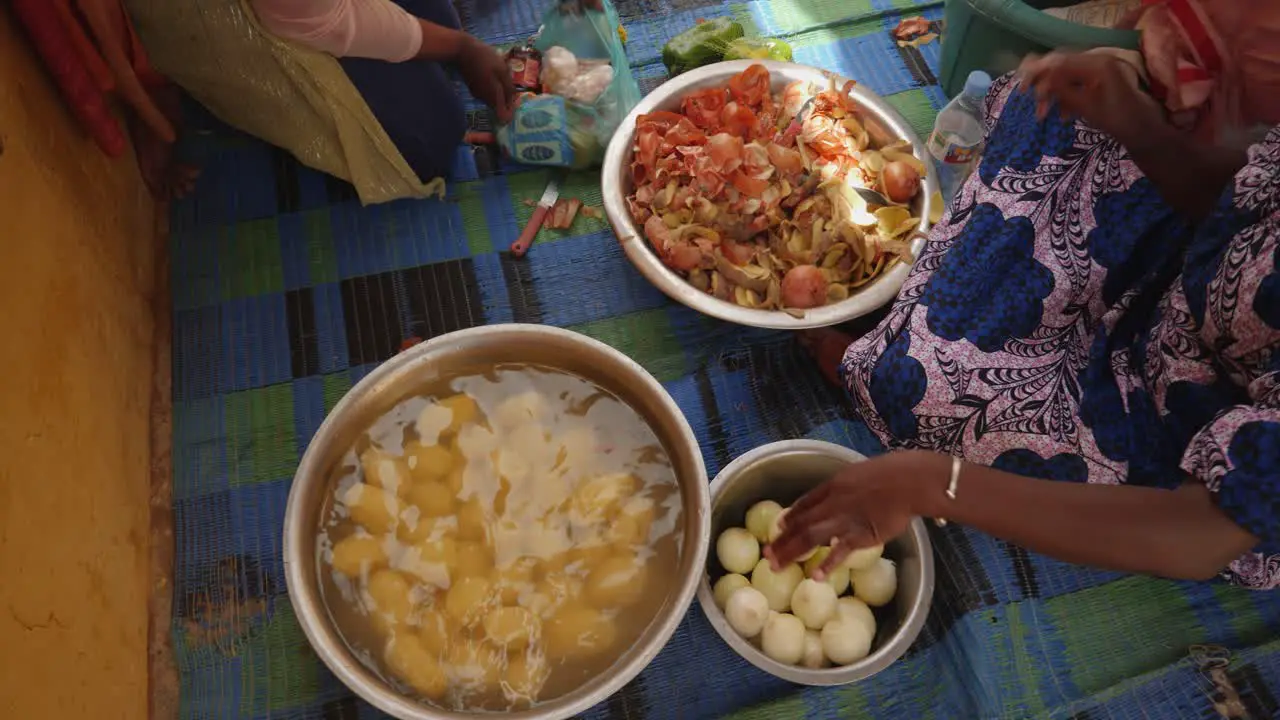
[(432, 155)]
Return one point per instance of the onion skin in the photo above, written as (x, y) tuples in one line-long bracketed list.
[(738, 253), (901, 181)]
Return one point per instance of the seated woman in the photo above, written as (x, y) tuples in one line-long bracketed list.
[(397, 55), (360, 89), (1085, 358)]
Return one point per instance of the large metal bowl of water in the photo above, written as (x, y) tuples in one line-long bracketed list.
[(401, 377), (882, 121)]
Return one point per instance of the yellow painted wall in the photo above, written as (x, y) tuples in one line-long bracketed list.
[(77, 274)]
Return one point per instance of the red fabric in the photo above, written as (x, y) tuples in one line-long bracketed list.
[(61, 58), (1216, 62)]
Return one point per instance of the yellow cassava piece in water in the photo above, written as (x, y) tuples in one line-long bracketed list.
[(437, 631), (526, 674), (633, 523), (373, 508), (512, 628), (390, 597), (413, 663), (468, 599), (428, 462), (473, 523), (516, 578), (616, 582), (385, 470), (474, 560), (599, 497), (442, 550), (432, 497), (576, 630), (465, 410), (551, 593), (356, 554)]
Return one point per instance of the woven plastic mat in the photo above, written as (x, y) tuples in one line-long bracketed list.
[(286, 292)]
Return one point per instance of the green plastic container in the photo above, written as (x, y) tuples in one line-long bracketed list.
[(994, 35)]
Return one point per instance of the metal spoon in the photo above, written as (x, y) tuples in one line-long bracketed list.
[(871, 197)]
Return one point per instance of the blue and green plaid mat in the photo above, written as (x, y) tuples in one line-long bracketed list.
[(287, 291)]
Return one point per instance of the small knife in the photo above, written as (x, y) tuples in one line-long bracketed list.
[(549, 197)]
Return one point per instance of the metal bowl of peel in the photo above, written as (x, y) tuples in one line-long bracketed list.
[(883, 123), (404, 375), (782, 472)]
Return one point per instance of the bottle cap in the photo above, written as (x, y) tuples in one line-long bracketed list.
[(977, 84)]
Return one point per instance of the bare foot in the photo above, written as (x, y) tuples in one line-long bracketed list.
[(826, 346)]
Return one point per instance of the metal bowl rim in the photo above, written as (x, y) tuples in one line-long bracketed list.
[(874, 295), (314, 619), (886, 654)]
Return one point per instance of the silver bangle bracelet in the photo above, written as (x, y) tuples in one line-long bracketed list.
[(952, 484)]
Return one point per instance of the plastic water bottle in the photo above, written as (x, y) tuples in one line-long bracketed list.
[(956, 141)]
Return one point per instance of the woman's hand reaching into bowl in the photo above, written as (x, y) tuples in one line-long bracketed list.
[(866, 504), (1179, 534)]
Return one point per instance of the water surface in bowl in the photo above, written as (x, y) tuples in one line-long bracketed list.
[(500, 538)]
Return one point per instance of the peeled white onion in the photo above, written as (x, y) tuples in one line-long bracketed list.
[(737, 550), (760, 519), (877, 584), (775, 530), (845, 641), (814, 602), (815, 561), (783, 638), (747, 610), (775, 526), (725, 587), (777, 586), (863, 558), (838, 578), (851, 608), (814, 656)]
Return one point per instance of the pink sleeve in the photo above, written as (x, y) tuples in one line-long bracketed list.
[(375, 29)]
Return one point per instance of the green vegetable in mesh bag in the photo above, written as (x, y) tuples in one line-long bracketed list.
[(700, 45), (758, 49)]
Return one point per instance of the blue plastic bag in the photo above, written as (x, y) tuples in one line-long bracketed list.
[(554, 131)]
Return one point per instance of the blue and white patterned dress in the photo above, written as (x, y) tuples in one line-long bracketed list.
[(1064, 323)]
